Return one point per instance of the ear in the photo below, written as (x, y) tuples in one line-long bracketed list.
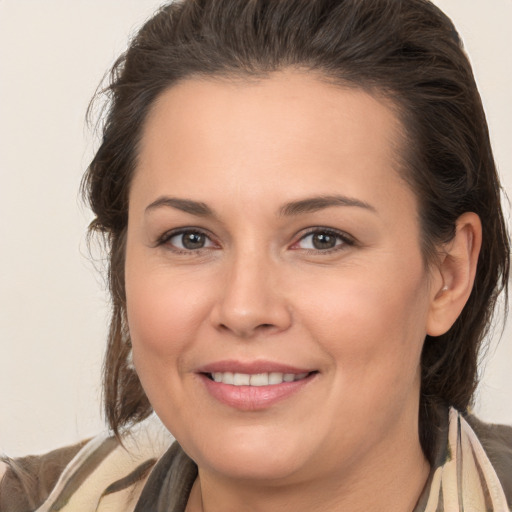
[(455, 274)]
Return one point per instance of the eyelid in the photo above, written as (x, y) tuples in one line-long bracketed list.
[(346, 239), (166, 236)]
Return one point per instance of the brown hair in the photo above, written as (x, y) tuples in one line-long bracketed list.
[(406, 50)]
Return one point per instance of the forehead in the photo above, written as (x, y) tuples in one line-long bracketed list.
[(288, 129), (291, 98)]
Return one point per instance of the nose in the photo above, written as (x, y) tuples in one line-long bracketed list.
[(251, 301)]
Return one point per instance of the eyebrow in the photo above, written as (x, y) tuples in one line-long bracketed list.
[(314, 204), (308, 205), (185, 205)]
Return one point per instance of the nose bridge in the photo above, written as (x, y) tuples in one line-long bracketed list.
[(251, 300)]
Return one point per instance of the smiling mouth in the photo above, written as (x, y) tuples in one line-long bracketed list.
[(257, 379), (257, 389)]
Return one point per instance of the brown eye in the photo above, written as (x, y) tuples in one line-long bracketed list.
[(193, 240), (189, 241), (324, 240)]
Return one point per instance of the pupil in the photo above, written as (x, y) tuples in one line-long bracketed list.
[(324, 241), (193, 240)]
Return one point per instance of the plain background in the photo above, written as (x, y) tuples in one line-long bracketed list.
[(53, 307)]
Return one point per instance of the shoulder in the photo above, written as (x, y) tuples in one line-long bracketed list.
[(99, 474), (497, 443), (25, 481)]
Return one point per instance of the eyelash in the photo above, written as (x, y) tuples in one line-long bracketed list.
[(168, 235), (346, 240)]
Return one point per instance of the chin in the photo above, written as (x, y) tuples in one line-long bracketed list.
[(255, 467), (261, 456)]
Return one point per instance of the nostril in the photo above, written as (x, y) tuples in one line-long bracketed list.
[(249, 331)]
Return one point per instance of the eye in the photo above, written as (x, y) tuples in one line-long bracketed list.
[(187, 240), (323, 240)]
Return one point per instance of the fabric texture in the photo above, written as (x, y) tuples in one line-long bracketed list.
[(102, 475), (465, 479), (472, 472), (31, 479)]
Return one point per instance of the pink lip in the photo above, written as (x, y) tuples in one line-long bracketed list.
[(250, 367), (252, 398)]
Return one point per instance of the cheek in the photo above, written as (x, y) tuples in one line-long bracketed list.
[(372, 324), (164, 309), (164, 316), (163, 313)]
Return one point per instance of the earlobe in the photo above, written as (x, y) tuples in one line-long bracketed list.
[(457, 270)]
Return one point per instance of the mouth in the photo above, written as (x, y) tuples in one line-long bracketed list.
[(254, 387), (256, 379)]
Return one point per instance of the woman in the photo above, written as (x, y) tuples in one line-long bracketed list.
[(306, 245)]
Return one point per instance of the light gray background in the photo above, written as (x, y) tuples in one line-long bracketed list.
[(53, 308)]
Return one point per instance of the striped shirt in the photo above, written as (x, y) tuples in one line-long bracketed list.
[(149, 471)]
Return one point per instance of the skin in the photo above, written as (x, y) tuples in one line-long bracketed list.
[(357, 314)]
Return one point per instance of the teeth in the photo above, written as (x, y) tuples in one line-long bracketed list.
[(241, 379), (228, 378), (258, 379), (275, 378)]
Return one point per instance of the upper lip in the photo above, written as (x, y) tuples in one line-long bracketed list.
[(251, 367)]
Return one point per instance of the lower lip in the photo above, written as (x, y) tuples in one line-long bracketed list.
[(253, 398)]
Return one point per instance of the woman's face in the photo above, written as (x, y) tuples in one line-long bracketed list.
[(277, 297)]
